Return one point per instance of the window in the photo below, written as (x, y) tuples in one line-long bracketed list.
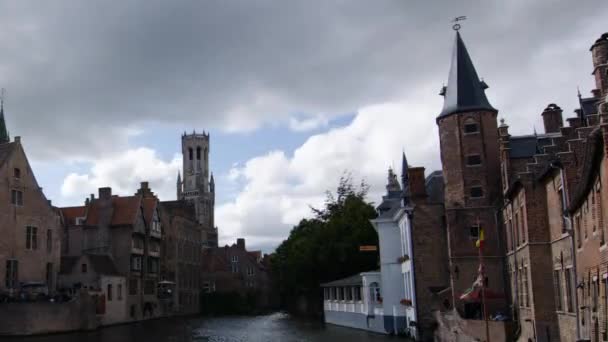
[(133, 285), (83, 268), (136, 263), (156, 226), (250, 271), (149, 287), (190, 153), (17, 197), (198, 153), (557, 284), (235, 258), (349, 293), (49, 241), (578, 231), (235, 267), (525, 285), (474, 232), (476, 192), (473, 160), (11, 279), (358, 293), (471, 127), (152, 265), (560, 194), (17, 173), (595, 289), (208, 286), (49, 275), (568, 279), (374, 291), (119, 291), (109, 292), (31, 238)]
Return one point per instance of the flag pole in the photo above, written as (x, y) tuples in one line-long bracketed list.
[(483, 280)]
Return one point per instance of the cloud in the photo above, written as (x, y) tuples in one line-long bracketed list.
[(279, 189), (308, 123), (83, 74), (123, 172)]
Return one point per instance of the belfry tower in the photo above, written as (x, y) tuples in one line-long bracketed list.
[(197, 184), (468, 136)]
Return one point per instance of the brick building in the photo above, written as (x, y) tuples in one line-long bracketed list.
[(128, 231), (234, 269), (30, 227), (468, 138), (182, 254)]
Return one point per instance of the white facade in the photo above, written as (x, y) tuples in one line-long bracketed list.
[(397, 272)]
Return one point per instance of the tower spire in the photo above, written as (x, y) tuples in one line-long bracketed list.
[(465, 91), (405, 179), (4, 137)]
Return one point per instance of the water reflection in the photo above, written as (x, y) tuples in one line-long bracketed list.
[(274, 327)]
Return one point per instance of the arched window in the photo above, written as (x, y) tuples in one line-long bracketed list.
[(471, 126), (198, 153), (189, 153)]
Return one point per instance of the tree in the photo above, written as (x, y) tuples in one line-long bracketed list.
[(326, 247)]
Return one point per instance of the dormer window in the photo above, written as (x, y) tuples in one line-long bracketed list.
[(17, 173)]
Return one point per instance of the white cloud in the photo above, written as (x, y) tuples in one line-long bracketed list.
[(123, 172), (308, 123), (279, 188)]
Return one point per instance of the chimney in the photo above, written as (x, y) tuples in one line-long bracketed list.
[(18, 139), (552, 118), (417, 182), (144, 185), (105, 193), (240, 244)]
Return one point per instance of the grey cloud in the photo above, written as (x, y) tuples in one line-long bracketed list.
[(79, 73)]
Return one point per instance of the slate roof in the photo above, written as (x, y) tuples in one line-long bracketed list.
[(526, 146), (348, 281), (434, 187), (464, 92), (589, 105)]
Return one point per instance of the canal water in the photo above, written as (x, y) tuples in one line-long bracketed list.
[(274, 327)]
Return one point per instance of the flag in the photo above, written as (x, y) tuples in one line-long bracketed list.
[(479, 242)]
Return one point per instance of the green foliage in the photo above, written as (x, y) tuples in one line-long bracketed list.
[(326, 247)]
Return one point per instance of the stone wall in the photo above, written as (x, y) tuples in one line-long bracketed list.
[(44, 317)]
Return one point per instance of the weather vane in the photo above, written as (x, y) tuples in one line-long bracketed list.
[(456, 26)]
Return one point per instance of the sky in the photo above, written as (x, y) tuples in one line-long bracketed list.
[(293, 93)]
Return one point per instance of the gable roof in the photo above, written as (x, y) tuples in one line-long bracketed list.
[(5, 151), (594, 152), (71, 213), (149, 206), (125, 210)]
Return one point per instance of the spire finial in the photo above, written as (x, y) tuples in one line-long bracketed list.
[(457, 26)]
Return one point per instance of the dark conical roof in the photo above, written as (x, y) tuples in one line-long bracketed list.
[(4, 138), (464, 92)]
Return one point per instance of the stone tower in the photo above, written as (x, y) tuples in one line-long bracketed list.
[(468, 137), (197, 184)]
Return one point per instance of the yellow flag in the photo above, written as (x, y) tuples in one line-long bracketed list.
[(479, 242)]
